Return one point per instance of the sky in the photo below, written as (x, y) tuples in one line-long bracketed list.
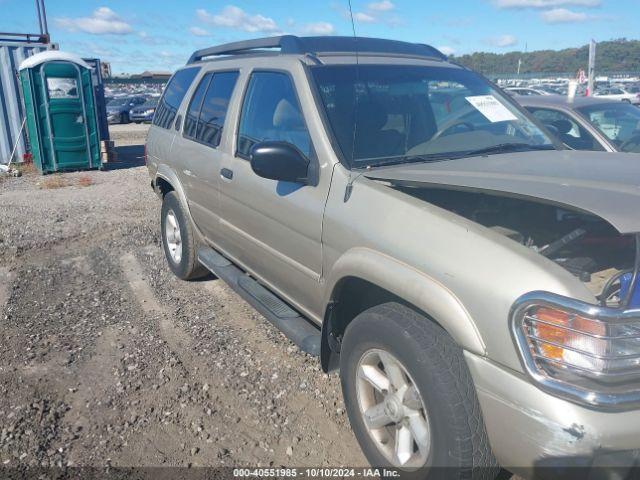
[(138, 35)]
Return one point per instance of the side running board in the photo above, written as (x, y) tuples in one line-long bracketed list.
[(297, 328)]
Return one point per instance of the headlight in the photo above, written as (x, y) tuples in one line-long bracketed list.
[(148, 112), (582, 352)]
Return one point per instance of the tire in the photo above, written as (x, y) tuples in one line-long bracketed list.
[(435, 365), (124, 118), (180, 251)]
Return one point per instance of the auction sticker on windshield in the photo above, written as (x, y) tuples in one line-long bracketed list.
[(490, 107)]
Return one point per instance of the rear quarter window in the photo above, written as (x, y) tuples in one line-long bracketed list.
[(173, 95)]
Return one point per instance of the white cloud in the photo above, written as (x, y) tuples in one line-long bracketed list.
[(545, 3), (447, 50), (562, 15), (363, 17), (234, 17), (318, 28), (199, 32), (503, 41), (381, 6), (103, 21)]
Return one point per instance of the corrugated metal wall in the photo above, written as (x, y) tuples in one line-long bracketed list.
[(11, 108)]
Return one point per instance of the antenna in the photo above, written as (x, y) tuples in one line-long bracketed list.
[(349, 188)]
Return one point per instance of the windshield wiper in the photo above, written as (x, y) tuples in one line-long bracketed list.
[(437, 157), (504, 148)]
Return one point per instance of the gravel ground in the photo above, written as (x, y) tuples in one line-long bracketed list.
[(109, 360)]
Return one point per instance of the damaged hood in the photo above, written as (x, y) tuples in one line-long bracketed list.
[(603, 184)]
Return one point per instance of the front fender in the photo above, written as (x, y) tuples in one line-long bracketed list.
[(413, 286)]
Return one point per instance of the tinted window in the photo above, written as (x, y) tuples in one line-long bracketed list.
[(569, 132), (193, 112), (271, 112), (172, 97), (214, 108)]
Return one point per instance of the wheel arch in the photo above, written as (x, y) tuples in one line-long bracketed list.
[(167, 179), (367, 278)]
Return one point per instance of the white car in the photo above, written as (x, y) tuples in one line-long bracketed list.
[(617, 93)]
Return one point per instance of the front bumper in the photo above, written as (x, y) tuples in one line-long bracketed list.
[(534, 433)]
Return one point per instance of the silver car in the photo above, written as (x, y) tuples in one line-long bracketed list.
[(588, 123), (397, 215)]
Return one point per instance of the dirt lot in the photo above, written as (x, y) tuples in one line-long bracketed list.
[(108, 359)]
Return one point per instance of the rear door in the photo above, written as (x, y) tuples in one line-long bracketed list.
[(197, 147)]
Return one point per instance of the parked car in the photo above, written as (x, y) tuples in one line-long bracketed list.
[(144, 112), (620, 94), (527, 91), (475, 286), (588, 123), (119, 109)]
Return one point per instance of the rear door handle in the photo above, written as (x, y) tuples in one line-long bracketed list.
[(226, 173)]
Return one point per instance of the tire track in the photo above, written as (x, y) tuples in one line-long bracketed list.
[(257, 364)]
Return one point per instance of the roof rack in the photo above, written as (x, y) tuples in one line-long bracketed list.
[(290, 44)]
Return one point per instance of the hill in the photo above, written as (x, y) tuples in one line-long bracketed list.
[(613, 56)]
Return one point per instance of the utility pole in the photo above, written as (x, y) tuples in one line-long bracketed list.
[(592, 67)]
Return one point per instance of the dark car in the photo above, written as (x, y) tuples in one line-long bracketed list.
[(118, 110), (588, 123), (144, 112)]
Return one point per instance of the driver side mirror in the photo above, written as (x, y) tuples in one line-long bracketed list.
[(279, 161)]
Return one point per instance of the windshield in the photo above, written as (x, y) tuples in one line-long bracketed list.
[(383, 114), (619, 122)]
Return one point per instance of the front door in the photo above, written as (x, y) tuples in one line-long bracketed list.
[(68, 117), (274, 228)]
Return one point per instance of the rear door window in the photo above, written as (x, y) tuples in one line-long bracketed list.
[(193, 112), (173, 94), (214, 108), (271, 111)]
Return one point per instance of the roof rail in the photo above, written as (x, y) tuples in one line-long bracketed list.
[(315, 45)]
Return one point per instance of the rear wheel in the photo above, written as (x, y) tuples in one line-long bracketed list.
[(178, 240), (410, 398)]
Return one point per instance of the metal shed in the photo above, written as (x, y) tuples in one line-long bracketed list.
[(61, 111), (12, 54)]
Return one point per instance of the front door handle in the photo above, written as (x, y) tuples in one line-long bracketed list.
[(226, 173)]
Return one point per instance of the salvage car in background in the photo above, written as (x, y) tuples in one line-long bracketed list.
[(588, 123), (476, 287), (119, 109), (526, 91), (618, 93), (144, 112)]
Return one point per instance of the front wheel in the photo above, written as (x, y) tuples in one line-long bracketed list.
[(410, 398), (178, 240)]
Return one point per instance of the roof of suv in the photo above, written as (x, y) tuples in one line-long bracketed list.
[(318, 46)]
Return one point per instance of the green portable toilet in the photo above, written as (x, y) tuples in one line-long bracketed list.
[(60, 112)]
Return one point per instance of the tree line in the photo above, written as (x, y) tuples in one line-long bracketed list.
[(620, 55)]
